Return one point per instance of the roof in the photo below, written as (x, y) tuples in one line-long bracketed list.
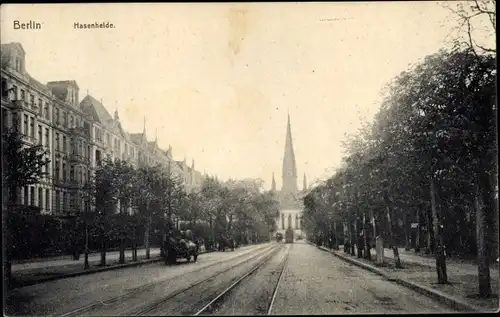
[(33, 82), (7, 47), (60, 88), (95, 109), (64, 83)]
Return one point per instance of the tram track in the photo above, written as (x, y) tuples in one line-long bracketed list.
[(130, 293), (212, 308), (159, 307)]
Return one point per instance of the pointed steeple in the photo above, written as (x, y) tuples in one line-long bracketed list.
[(192, 164), (144, 127), (116, 115), (289, 167), (273, 184), (156, 135), (305, 182)]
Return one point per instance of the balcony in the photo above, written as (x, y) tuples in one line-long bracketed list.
[(70, 184), (29, 139), (79, 159), (20, 104), (79, 131)]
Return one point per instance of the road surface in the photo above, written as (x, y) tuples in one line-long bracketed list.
[(286, 279)]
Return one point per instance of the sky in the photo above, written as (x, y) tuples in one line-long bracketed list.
[(216, 81)]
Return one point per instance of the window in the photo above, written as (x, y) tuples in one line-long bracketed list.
[(25, 132), (26, 195), (32, 198), (40, 197), (15, 92), (18, 64), (5, 117), (46, 111), (65, 119), (57, 141), (57, 171), (71, 122), (47, 137), (65, 172), (72, 173), (32, 101), (58, 201), (23, 95), (64, 201), (40, 135), (32, 127), (64, 143), (4, 88), (47, 198), (40, 107), (57, 115)]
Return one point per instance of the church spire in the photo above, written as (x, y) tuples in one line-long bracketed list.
[(273, 185), (144, 127), (289, 167), (305, 182)]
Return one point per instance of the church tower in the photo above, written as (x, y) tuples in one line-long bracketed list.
[(289, 168)]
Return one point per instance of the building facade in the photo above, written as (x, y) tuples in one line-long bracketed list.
[(289, 197), (77, 134)]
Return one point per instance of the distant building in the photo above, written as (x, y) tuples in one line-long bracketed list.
[(289, 197), (78, 135)]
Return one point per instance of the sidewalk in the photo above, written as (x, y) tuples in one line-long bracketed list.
[(39, 271), (419, 273), (68, 260), (453, 267)]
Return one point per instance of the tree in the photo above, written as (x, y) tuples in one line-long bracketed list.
[(104, 188), (477, 21), (23, 165)]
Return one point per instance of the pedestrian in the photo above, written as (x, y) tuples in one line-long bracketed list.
[(361, 244)]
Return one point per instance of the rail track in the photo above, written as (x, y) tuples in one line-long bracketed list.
[(131, 292), (209, 308), (157, 305)]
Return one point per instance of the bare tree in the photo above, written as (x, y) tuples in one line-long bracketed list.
[(476, 19)]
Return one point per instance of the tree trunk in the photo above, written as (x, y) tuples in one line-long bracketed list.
[(134, 244), (146, 238), (417, 238), (335, 236), (366, 241), (352, 235), (103, 244), (482, 254), (7, 258), (394, 246), (86, 255), (407, 233), (347, 245), (358, 230), (428, 234), (374, 224), (103, 250), (122, 236), (438, 241)]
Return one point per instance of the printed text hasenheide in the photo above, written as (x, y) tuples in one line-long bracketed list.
[(96, 25)]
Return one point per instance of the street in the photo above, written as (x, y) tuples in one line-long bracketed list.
[(296, 278)]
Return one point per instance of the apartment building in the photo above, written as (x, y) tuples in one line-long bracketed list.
[(77, 134)]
